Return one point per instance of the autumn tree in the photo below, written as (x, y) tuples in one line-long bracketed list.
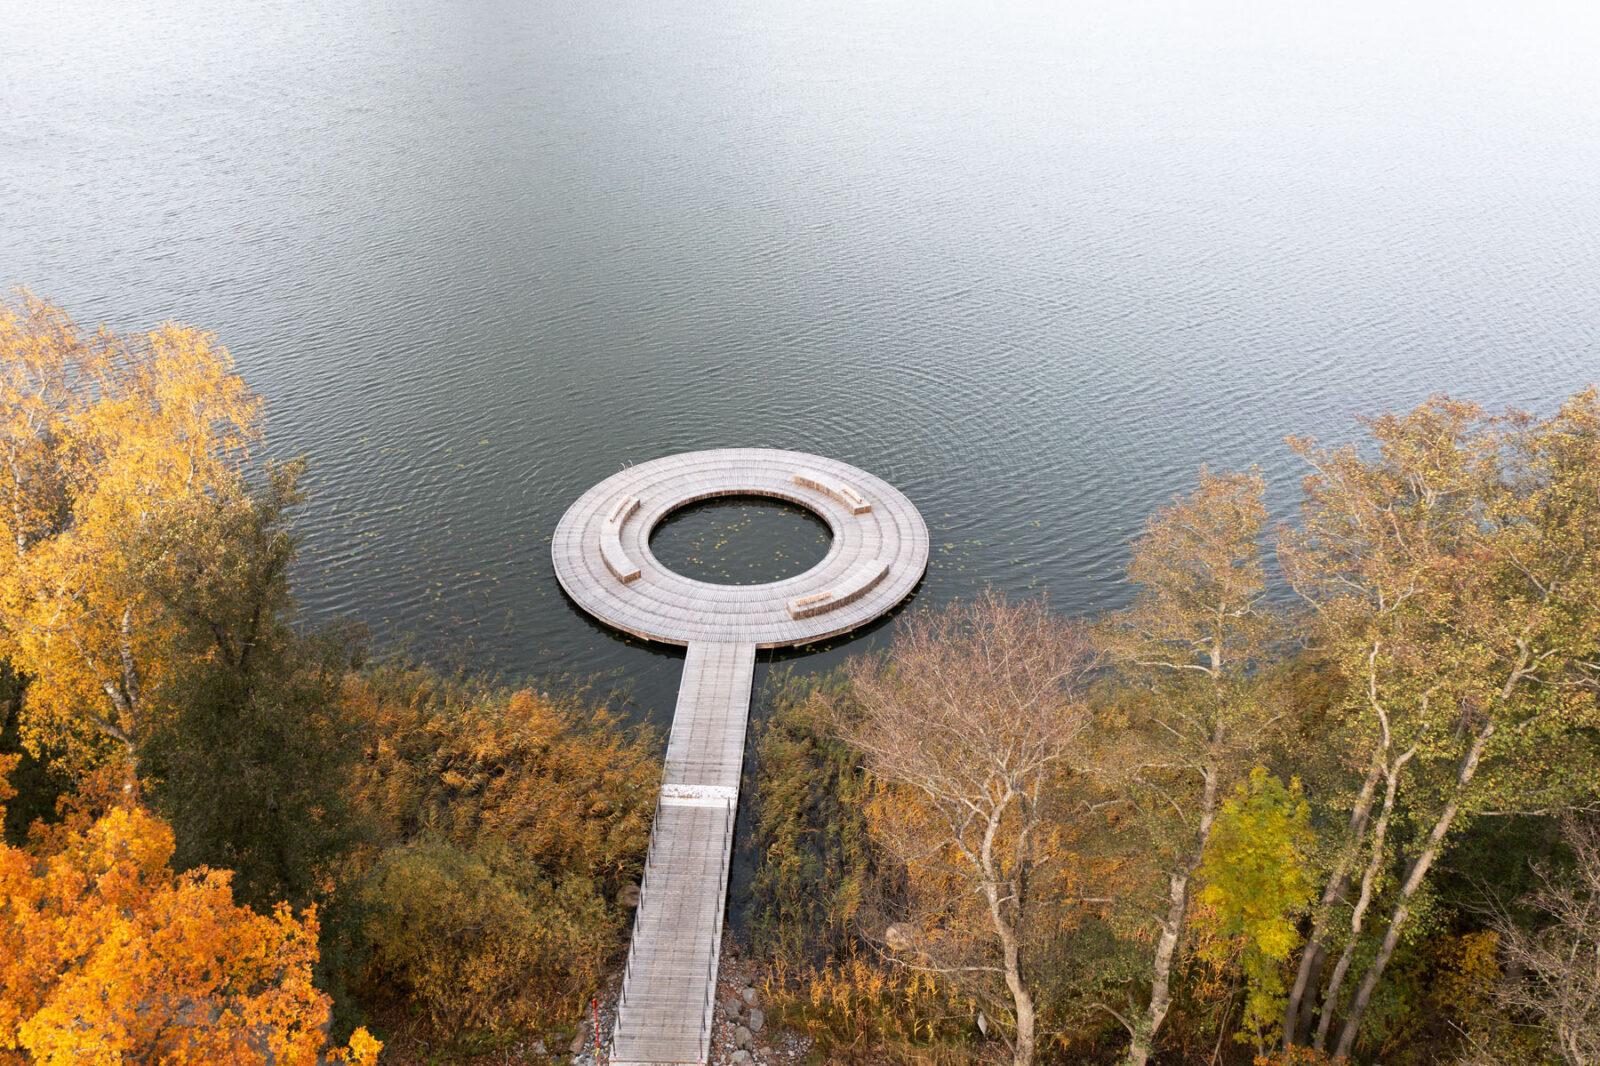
[(1193, 716), (1454, 578), (107, 956), (968, 722), (1256, 877), (101, 437)]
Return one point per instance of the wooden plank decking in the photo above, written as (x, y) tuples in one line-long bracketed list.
[(601, 549), (668, 989)]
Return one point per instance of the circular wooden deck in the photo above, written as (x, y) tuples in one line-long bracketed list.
[(659, 604)]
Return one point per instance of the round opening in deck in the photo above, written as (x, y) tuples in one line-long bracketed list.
[(741, 539)]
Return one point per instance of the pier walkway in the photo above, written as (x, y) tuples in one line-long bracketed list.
[(601, 551)]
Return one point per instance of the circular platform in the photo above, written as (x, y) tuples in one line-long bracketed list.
[(601, 550)]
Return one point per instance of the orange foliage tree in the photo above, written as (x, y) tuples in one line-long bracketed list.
[(107, 956), (100, 437)]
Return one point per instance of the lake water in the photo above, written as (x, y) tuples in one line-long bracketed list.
[(1031, 262)]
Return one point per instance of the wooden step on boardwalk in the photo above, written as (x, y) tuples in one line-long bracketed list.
[(669, 986)]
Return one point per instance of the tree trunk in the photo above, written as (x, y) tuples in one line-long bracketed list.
[(1358, 914), (122, 708), (130, 777), (1022, 1001), (1295, 1019), (1142, 1046), (1408, 890), (18, 526)]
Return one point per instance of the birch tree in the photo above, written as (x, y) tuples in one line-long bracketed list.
[(1454, 576), (1195, 718), (967, 724), (99, 435)]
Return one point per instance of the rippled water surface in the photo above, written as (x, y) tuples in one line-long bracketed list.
[(1031, 262)]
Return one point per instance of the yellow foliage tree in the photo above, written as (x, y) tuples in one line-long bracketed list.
[(107, 956), (100, 435), (1194, 714), (1257, 877)]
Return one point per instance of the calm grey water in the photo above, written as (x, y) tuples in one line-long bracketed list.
[(1032, 262)]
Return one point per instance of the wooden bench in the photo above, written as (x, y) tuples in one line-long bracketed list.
[(856, 583), (846, 495), (622, 568)]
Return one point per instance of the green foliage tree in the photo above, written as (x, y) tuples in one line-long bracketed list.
[(253, 765)]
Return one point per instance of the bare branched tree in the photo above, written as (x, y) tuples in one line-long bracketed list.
[(968, 722), (1554, 969)]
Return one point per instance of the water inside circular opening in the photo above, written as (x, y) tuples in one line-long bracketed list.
[(740, 540)]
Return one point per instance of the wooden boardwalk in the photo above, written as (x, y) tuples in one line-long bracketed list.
[(669, 987), (601, 551)]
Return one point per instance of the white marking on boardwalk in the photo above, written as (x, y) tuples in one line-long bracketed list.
[(602, 557), (700, 795)]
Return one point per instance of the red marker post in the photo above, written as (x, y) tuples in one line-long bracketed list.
[(594, 1004)]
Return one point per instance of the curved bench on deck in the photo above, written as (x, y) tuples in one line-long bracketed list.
[(617, 561), (846, 495), (856, 583)]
